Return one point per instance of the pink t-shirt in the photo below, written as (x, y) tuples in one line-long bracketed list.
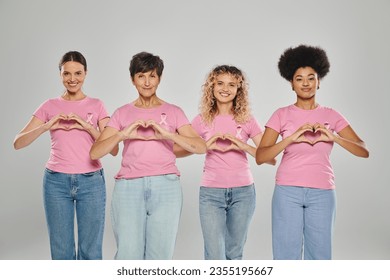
[(303, 164), (142, 158), (226, 169), (70, 148)]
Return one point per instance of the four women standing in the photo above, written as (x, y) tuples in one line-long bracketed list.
[(147, 197)]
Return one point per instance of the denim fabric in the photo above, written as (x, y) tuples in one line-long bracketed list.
[(66, 195), (302, 223), (225, 215), (145, 216)]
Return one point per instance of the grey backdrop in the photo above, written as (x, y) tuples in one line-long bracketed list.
[(192, 37)]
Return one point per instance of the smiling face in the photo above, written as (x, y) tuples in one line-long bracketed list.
[(225, 88), (73, 76), (146, 83), (305, 83)]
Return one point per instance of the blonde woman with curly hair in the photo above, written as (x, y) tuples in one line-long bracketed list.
[(227, 195)]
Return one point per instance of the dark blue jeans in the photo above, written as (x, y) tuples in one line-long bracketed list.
[(66, 195)]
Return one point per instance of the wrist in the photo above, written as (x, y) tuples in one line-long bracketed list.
[(122, 136), (89, 127)]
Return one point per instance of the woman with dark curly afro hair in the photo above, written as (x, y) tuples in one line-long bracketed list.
[(304, 199)]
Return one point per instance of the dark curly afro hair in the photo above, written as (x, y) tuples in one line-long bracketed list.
[(303, 56)]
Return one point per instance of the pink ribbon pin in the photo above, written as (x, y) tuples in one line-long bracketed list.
[(163, 119)]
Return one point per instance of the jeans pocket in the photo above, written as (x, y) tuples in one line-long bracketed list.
[(50, 171), (172, 177)]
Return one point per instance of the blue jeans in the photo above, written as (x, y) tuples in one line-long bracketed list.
[(225, 215), (65, 194), (302, 223), (145, 215)]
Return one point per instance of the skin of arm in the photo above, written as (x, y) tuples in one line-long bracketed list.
[(210, 145), (34, 128), (95, 133), (186, 138), (249, 148), (268, 149), (348, 139), (108, 141), (102, 125)]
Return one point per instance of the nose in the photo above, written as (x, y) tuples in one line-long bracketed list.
[(225, 87), (147, 82), (305, 82)]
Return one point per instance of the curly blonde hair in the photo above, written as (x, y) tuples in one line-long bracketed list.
[(208, 105)]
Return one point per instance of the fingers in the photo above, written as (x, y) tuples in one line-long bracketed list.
[(223, 143)]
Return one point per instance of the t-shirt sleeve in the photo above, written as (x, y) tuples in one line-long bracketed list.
[(255, 128), (340, 121), (114, 121), (196, 124), (181, 118), (102, 111), (42, 113), (274, 121)]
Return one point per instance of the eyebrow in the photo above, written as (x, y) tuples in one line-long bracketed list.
[(302, 75)]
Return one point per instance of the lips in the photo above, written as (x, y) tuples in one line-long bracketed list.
[(223, 94)]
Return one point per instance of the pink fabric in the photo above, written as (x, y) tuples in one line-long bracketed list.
[(70, 149), (152, 157), (226, 169), (303, 164)]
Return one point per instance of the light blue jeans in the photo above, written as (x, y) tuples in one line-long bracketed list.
[(145, 214), (65, 195), (225, 215), (302, 223)]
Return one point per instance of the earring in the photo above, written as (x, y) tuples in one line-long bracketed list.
[(318, 87)]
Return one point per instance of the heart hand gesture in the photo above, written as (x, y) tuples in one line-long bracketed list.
[(312, 134), (224, 142)]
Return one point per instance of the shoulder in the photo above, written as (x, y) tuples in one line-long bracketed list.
[(284, 110), (252, 121), (198, 118), (328, 110), (93, 100), (125, 107), (49, 102), (171, 106)]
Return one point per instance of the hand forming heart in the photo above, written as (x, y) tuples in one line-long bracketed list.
[(66, 122), (144, 130), (222, 143), (312, 134)]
